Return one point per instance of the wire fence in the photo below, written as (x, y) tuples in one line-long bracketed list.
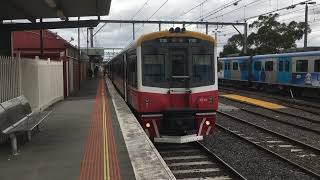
[(10, 78)]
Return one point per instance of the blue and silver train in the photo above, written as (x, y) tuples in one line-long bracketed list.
[(299, 71)]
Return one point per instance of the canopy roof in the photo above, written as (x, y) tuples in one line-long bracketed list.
[(36, 9)]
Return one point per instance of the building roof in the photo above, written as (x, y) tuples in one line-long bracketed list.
[(36, 9)]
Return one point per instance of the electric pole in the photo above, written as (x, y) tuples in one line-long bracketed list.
[(91, 37), (306, 27), (305, 44)]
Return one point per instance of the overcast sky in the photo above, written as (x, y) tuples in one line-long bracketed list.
[(120, 35)]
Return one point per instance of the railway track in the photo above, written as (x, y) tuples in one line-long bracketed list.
[(292, 103), (195, 161), (311, 127), (292, 115), (300, 155)]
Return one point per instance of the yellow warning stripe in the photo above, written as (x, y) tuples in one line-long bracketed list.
[(253, 101), (105, 140)]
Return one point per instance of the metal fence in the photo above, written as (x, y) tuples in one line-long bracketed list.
[(10, 78), (40, 81)]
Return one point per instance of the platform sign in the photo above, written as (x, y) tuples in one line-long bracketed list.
[(95, 52)]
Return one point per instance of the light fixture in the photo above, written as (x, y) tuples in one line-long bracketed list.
[(61, 15), (207, 122), (51, 3)]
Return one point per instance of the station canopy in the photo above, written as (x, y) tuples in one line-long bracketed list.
[(36, 9)]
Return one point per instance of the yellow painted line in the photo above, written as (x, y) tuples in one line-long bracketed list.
[(253, 101), (105, 142)]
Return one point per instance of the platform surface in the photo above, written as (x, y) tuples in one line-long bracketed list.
[(58, 150), (253, 101), (90, 136)]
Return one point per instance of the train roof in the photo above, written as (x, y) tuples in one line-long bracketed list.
[(166, 33), (235, 58), (294, 54)]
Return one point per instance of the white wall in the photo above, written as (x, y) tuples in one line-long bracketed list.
[(42, 82)]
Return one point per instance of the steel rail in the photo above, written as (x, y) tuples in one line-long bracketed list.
[(235, 173), (313, 148), (280, 121), (304, 169)]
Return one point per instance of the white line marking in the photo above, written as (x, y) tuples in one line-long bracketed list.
[(286, 146), (210, 178), (306, 155), (195, 171), (274, 141), (184, 157), (296, 150), (190, 163), (180, 151)]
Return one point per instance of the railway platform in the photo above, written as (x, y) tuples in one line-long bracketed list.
[(92, 135)]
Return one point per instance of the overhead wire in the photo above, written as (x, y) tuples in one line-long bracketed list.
[(135, 31), (191, 9)]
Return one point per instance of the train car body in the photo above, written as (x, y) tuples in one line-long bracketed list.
[(169, 79), (299, 70)]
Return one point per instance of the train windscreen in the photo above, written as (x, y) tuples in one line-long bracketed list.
[(177, 63)]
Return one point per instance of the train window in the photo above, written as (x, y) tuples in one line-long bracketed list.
[(202, 69), (153, 70), (257, 66), (286, 66), (220, 66), (244, 66), (302, 66), (227, 66), (280, 66), (268, 65), (235, 66), (317, 66), (132, 70)]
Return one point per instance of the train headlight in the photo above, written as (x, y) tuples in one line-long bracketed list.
[(148, 125), (207, 122)]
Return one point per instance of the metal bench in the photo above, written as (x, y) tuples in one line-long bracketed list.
[(16, 116)]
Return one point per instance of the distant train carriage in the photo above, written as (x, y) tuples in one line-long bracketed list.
[(169, 79), (299, 71)]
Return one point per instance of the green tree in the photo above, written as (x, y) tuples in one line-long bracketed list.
[(268, 36)]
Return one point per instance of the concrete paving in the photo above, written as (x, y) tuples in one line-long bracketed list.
[(55, 153)]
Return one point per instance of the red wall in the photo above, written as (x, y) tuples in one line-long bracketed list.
[(27, 43)]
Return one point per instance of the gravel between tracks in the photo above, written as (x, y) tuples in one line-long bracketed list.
[(296, 133), (251, 162), (306, 157)]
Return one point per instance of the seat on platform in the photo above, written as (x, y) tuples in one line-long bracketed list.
[(16, 116)]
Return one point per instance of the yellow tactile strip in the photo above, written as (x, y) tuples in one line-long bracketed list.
[(253, 101)]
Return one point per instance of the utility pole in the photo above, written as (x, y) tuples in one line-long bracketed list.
[(305, 44), (245, 43), (133, 32), (306, 27), (91, 37)]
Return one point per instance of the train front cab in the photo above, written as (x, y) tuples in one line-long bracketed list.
[(177, 93)]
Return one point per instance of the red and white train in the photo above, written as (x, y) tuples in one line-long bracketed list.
[(169, 79)]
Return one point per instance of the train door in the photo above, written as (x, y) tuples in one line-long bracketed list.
[(227, 71), (257, 70), (244, 65), (284, 70), (270, 70), (235, 71), (179, 78)]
